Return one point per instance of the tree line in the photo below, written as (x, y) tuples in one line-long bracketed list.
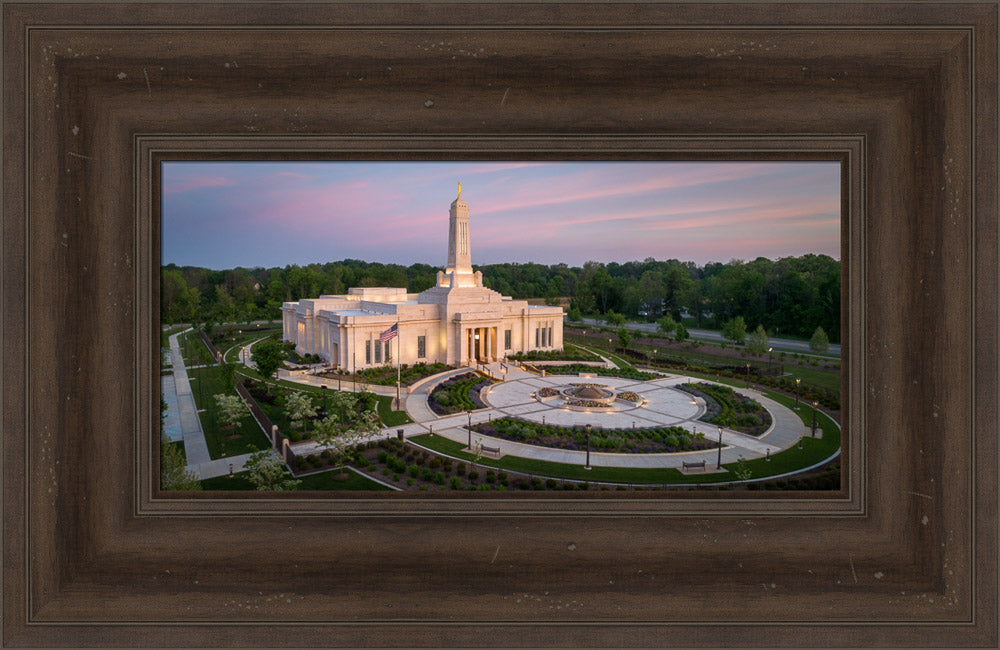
[(789, 296)]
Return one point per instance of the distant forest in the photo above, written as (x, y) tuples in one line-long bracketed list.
[(790, 296)]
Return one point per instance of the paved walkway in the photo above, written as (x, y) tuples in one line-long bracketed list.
[(195, 447), (182, 421)]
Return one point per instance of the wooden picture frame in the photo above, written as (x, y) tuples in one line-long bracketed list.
[(905, 554)]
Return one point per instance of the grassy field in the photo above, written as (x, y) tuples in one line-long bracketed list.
[(205, 383), (817, 376)]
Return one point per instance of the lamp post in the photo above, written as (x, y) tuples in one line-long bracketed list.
[(748, 374), (815, 404), (769, 350), (798, 382), (718, 463), (470, 430), (587, 466)]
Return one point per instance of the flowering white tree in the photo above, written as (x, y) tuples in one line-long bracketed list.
[(266, 471), (340, 438), (299, 407), (231, 409)]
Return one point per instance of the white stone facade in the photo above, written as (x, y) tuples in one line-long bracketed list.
[(458, 322)]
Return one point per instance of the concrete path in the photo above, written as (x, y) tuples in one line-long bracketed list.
[(195, 447), (183, 421), (172, 421), (416, 402)]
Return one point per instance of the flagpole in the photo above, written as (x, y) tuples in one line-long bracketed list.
[(398, 405)]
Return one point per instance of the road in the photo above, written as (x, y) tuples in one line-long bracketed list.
[(711, 335)]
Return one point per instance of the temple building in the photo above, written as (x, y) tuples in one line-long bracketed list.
[(457, 322)]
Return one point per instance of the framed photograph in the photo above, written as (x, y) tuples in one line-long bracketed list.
[(564, 364), (197, 194)]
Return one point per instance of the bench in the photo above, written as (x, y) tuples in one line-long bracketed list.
[(700, 464), (491, 450)]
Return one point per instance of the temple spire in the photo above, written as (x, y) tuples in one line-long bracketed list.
[(459, 244)]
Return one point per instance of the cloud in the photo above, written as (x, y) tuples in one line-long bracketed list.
[(180, 185)]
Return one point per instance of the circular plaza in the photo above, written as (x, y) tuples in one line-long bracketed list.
[(610, 404)]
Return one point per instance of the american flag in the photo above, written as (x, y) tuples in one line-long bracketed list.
[(389, 334)]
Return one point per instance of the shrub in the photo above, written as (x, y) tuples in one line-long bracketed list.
[(435, 463), (460, 469), (473, 475), (456, 483), (550, 483), (413, 470)]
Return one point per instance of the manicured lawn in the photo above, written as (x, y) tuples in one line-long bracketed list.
[(389, 417), (237, 481), (829, 379), (326, 481), (217, 438), (813, 451), (193, 350), (320, 481), (231, 349)]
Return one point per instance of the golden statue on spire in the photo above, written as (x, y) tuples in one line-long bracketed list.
[(459, 189)]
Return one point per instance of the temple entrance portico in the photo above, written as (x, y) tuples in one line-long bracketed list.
[(480, 344)]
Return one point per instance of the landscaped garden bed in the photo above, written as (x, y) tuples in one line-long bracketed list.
[(652, 440), (274, 402), (727, 408), (409, 467), (577, 368), (459, 393), (386, 375), (569, 353)]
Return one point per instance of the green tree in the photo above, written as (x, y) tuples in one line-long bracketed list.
[(231, 409), (341, 404), (819, 342), (299, 407), (680, 332), (614, 319), (174, 474), (341, 438), (268, 356), (227, 376), (266, 471), (742, 471), (225, 307), (667, 325), (624, 337), (574, 315), (757, 341), (735, 329)]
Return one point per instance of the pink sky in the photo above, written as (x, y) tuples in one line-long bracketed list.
[(222, 215)]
